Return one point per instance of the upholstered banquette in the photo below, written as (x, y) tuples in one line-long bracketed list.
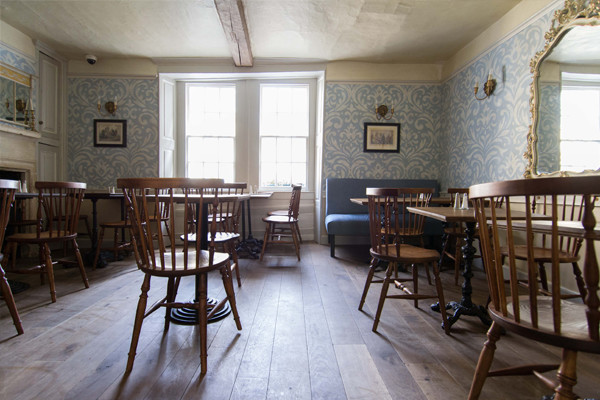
[(342, 217)]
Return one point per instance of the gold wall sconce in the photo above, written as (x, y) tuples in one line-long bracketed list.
[(109, 106), (488, 87), (381, 112)]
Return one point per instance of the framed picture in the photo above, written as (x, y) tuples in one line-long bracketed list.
[(382, 137), (110, 133)]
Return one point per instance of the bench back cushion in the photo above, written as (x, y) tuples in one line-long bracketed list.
[(339, 191)]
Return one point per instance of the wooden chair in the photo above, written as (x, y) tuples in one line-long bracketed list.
[(120, 227), (284, 213), (158, 256), (552, 320), (59, 204), (275, 223), (388, 216), (570, 208), (228, 215), (8, 189)]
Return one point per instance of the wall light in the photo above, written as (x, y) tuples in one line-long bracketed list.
[(488, 88), (381, 112), (109, 106)]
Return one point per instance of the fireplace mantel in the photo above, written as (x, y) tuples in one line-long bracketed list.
[(18, 150)]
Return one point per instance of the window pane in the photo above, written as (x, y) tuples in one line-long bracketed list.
[(284, 174), (299, 150), (268, 174), (284, 150), (210, 130), (268, 150), (299, 173)]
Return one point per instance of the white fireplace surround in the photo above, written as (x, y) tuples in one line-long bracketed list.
[(18, 151)]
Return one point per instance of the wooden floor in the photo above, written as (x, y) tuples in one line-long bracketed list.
[(302, 338)]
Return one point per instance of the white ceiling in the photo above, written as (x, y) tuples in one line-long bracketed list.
[(384, 31)]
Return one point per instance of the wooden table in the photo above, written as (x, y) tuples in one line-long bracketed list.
[(188, 316), (442, 201), (249, 246), (94, 196), (452, 215)]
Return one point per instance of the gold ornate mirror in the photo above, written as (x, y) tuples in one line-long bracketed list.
[(15, 97), (564, 136)]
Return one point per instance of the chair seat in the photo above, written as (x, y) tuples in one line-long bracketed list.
[(221, 237), (278, 219), (541, 254), (203, 265), (574, 327), (282, 213), (32, 237), (408, 254), (116, 224)]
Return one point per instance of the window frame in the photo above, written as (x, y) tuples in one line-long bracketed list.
[(247, 138)]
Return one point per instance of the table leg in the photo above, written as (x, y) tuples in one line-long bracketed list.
[(248, 247), (91, 254), (189, 316), (466, 306)]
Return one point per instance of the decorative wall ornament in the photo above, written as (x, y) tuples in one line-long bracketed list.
[(575, 13), (381, 137), (110, 133)]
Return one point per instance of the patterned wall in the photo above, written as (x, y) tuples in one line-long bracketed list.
[(485, 140), (137, 101), (446, 133), (417, 107)]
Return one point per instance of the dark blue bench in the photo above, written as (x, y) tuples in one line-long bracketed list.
[(342, 217)]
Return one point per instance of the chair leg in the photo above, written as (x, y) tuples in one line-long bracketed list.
[(440, 292), (543, 276), (485, 361), (202, 322), (383, 295), (567, 376), (230, 248), (49, 272), (368, 283), (98, 247), (294, 229), (579, 280), (10, 301), (331, 246), (80, 264), (137, 325), (228, 285), (265, 240), (299, 235), (169, 299), (415, 276)]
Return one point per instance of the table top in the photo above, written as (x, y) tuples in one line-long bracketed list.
[(363, 201), (565, 228), (448, 214)]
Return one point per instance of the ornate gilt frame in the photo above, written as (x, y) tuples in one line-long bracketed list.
[(574, 13)]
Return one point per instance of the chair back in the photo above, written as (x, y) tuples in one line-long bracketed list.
[(157, 249), (570, 208), (8, 188), (228, 214), (294, 206), (59, 204), (389, 218), (548, 319)]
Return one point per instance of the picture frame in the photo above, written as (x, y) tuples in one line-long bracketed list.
[(382, 137), (110, 133)]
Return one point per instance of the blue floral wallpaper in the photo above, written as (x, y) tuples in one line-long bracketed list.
[(446, 133), (17, 60), (137, 101), (485, 140), (417, 107)]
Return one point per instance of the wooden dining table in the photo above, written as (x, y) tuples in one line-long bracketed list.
[(449, 215)]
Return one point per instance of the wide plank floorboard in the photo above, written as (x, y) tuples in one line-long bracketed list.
[(302, 338)]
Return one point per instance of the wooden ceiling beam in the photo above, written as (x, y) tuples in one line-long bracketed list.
[(233, 20)]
